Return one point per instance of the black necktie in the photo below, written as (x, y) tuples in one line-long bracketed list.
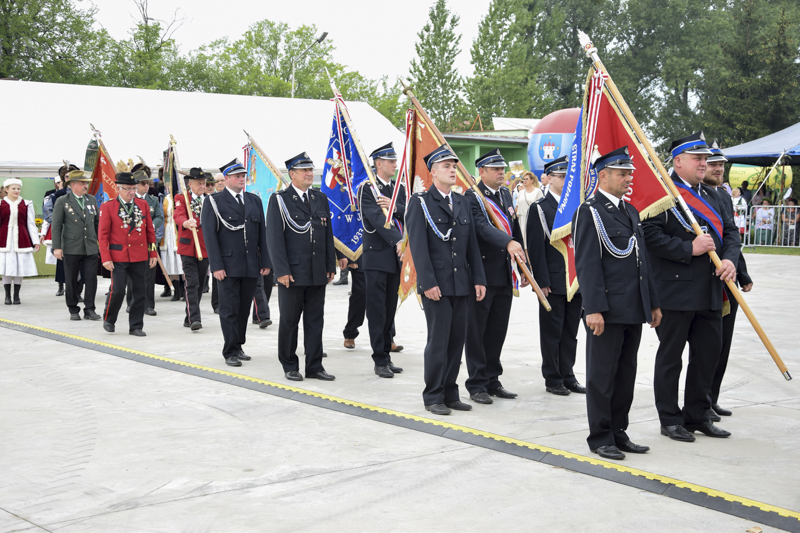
[(449, 203), (696, 188), (239, 199), (305, 199)]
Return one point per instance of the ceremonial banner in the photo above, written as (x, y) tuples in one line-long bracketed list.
[(342, 174), (104, 174), (261, 178), (602, 128)]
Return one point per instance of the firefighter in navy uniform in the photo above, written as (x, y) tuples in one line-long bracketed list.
[(300, 238), (713, 178), (127, 249), (690, 290), (380, 259), (232, 221), (558, 329), (487, 320), (441, 234), (619, 295)]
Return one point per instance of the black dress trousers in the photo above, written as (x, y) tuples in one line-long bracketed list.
[(558, 333), (214, 293), (308, 301), (149, 288), (446, 320), (235, 296), (381, 302), (728, 323), (73, 265), (487, 327), (356, 309), (261, 298), (703, 331), (116, 293), (194, 276), (610, 379)]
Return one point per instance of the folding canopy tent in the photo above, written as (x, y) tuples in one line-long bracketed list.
[(764, 152)]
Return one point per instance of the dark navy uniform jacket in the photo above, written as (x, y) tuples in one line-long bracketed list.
[(623, 289), (379, 244), (454, 265), (742, 277), (491, 240), (227, 249), (686, 282), (309, 256), (547, 263)]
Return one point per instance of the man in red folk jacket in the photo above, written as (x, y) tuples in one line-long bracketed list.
[(127, 244), (195, 269)]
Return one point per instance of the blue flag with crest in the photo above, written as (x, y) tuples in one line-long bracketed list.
[(261, 180), (342, 175)]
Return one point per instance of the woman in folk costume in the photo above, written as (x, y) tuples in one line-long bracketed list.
[(19, 238), (169, 244)]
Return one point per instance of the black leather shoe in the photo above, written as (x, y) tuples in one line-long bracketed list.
[(559, 390), (60, 291), (150, 312), (678, 433), (294, 375), (216, 311), (396, 348), (265, 323), (384, 371), (324, 354), (438, 409), (395, 369), (108, 326), (576, 387), (137, 333), (708, 429), (167, 292), (74, 316), (89, 314), (233, 361), (324, 376), (243, 356), (196, 325), (458, 405), (128, 309), (500, 392), (630, 447), (481, 397), (712, 415), (341, 281), (609, 452), (720, 411), (186, 324)]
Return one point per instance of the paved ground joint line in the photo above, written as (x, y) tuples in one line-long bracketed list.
[(768, 514)]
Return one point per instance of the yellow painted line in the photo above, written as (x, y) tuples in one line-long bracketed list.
[(546, 449)]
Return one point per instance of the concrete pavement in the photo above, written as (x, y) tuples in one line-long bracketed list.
[(92, 442)]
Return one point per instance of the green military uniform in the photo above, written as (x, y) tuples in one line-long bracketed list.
[(74, 232)]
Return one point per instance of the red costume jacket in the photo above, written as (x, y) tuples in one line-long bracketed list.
[(185, 237), (125, 239)]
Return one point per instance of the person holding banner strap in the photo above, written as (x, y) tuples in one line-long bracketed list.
[(195, 270), (380, 257), (300, 240), (619, 295), (487, 320), (690, 290), (713, 178), (558, 329), (233, 231), (441, 234)]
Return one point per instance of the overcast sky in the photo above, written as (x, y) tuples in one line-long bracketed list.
[(374, 37)]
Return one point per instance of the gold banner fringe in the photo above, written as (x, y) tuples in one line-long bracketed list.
[(347, 252)]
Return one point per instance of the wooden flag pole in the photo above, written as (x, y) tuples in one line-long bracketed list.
[(591, 52), (177, 164), (471, 181), (343, 110), (267, 160)]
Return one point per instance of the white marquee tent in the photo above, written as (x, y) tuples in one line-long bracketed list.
[(43, 123)]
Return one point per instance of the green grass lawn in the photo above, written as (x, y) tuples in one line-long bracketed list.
[(771, 250)]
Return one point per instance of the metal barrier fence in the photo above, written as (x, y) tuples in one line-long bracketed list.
[(768, 225)]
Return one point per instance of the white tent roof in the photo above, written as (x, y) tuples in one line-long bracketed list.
[(507, 123), (44, 123)]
